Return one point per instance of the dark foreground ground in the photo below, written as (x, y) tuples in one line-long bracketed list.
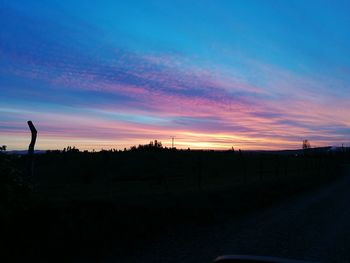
[(314, 226), (175, 206)]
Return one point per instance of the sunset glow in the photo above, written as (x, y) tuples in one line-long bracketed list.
[(242, 74)]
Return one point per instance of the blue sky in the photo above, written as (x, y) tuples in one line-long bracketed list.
[(215, 74)]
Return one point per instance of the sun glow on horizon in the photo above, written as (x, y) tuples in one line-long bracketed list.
[(92, 77)]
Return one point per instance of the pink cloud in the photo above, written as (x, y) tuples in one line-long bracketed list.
[(203, 107)]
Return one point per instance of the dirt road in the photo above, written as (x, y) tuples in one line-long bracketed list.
[(314, 226)]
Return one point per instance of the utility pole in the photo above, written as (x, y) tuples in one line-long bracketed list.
[(172, 141)]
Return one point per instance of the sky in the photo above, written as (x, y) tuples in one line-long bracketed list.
[(214, 74)]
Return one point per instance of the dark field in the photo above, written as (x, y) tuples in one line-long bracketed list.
[(84, 207)]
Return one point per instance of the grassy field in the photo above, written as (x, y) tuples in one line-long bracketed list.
[(83, 205)]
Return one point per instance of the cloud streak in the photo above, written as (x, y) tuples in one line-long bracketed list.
[(115, 97)]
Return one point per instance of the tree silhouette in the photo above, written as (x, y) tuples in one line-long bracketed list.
[(152, 146), (306, 144), (71, 149)]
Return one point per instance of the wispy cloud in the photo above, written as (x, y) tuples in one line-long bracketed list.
[(96, 94)]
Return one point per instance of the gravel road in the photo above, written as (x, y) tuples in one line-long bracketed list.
[(314, 226)]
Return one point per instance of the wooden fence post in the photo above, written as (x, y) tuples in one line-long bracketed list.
[(31, 148)]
